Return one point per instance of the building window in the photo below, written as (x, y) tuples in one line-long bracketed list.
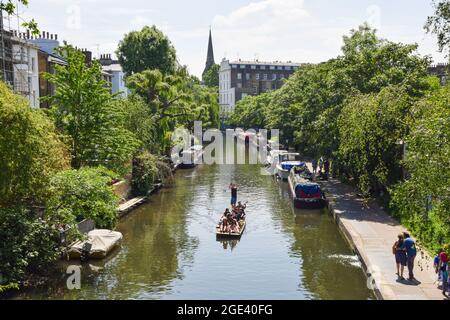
[(239, 85), (242, 66), (33, 61), (263, 67), (279, 68), (281, 76), (257, 76), (295, 68), (239, 76), (274, 76), (265, 76), (287, 68), (253, 67), (272, 67), (234, 66), (247, 76)]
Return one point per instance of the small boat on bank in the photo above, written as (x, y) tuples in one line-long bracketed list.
[(191, 157), (306, 194), (221, 235), (99, 243)]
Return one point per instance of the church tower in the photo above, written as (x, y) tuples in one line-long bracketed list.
[(210, 56)]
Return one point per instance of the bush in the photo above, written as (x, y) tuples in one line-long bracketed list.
[(83, 194), (147, 169), (30, 151), (27, 244)]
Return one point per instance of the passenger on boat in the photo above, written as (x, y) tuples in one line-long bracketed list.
[(241, 206), (234, 226), (223, 223)]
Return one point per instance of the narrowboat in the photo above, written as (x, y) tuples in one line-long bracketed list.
[(306, 194), (191, 157)]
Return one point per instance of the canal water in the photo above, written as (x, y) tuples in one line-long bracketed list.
[(170, 249)]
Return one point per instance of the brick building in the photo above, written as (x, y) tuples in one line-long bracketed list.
[(238, 79)]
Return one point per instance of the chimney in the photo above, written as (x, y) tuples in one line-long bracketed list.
[(56, 37), (28, 34)]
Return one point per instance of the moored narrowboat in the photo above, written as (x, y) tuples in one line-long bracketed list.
[(306, 194)]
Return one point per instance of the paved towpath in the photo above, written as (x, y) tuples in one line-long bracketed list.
[(372, 232)]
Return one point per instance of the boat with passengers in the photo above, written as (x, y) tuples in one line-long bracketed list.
[(305, 193)]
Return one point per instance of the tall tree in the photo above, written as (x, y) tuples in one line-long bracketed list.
[(147, 49), (85, 111), (30, 151), (211, 77), (439, 24)]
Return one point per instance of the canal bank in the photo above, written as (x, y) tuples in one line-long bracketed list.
[(371, 233)]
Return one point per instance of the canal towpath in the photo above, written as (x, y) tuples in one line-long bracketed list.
[(371, 232)]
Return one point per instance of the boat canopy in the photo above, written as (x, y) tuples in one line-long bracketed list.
[(308, 190), (288, 165)]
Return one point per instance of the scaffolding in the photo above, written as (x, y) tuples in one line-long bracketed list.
[(14, 55)]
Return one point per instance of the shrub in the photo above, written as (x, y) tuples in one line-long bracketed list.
[(27, 244), (83, 194)]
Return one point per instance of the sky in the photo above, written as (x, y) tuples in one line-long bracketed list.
[(268, 30)]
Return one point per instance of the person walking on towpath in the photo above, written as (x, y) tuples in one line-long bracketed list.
[(400, 256), (409, 245), (234, 191)]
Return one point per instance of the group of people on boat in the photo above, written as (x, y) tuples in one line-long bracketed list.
[(230, 220)]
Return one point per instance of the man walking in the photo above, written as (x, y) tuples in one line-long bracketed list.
[(409, 245)]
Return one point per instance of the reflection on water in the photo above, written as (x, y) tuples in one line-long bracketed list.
[(170, 249)]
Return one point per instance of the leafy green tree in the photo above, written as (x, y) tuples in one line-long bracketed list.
[(85, 111), (211, 77), (30, 151), (9, 7), (141, 121), (439, 24), (251, 112), (147, 49), (28, 244), (86, 193), (371, 127), (174, 100), (422, 202)]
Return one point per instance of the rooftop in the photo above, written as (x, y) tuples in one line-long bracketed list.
[(266, 63)]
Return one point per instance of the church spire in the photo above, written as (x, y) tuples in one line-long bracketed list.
[(210, 56)]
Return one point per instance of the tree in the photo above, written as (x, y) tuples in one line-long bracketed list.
[(83, 194), (173, 101), (439, 24), (147, 49), (251, 112), (85, 111), (30, 151), (211, 77), (370, 128), (422, 202), (10, 8)]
